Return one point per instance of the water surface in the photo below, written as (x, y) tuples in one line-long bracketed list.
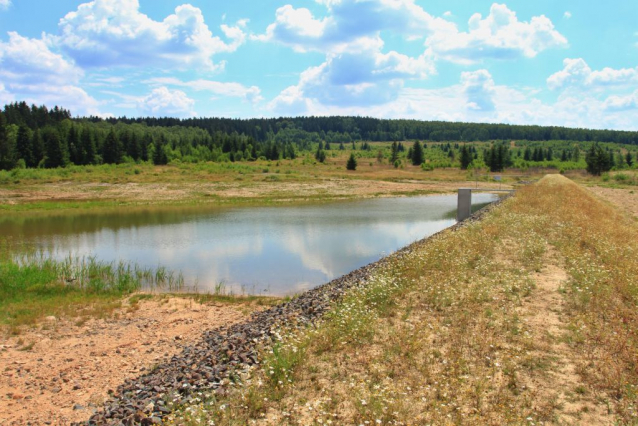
[(264, 250)]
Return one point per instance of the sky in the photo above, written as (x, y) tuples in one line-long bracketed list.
[(569, 63)]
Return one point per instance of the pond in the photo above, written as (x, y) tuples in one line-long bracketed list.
[(254, 250)]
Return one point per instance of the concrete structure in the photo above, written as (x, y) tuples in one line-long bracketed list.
[(464, 206)]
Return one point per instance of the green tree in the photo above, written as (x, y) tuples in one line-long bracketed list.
[(466, 157), (320, 155), (75, 148), (54, 151), (352, 163), (598, 160), (7, 157), (88, 148), (629, 159), (112, 149), (23, 146), (418, 156), (37, 147), (394, 152)]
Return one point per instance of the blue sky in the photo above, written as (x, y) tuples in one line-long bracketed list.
[(571, 62)]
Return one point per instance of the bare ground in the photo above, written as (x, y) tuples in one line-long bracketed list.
[(60, 372), (557, 379), (186, 191), (627, 199)]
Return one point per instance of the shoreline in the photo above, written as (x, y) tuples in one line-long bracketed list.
[(224, 350)]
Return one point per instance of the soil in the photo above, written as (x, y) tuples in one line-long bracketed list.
[(70, 368), (627, 199), (187, 191), (543, 315)]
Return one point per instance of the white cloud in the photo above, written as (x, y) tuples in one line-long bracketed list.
[(477, 98), (162, 102), (622, 103), (5, 96), (479, 90), (500, 35), (4, 4), (351, 79), (106, 33), (235, 90), (28, 60), (576, 73), (567, 15), (70, 97), (348, 22), (32, 72)]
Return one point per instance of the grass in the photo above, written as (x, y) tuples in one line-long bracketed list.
[(33, 287), (441, 333), (243, 183)]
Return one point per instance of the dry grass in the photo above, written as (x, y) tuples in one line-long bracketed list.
[(451, 332)]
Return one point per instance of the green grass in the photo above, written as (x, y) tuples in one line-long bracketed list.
[(33, 287)]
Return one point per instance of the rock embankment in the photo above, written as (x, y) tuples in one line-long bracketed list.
[(202, 367)]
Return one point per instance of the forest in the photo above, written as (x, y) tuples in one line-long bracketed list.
[(36, 136)]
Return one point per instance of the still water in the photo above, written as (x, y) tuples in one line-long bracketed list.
[(265, 250)]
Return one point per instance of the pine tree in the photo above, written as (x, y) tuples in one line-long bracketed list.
[(88, 147), (466, 158), (112, 150), (23, 146), (394, 153), (629, 159), (7, 157), (598, 160), (564, 157), (352, 163), (528, 154), (54, 150), (75, 149), (418, 157), (341, 147), (37, 147), (320, 155)]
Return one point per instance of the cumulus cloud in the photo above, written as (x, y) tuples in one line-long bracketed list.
[(4, 4), (576, 73), (350, 79), (31, 71), (500, 35), (27, 60), (73, 98), (162, 102), (622, 103), (478, 98), (114, 33), (350, 23), (235, 90), (479, 89), (567, 15)]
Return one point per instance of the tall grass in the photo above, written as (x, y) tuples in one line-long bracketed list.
[(34, 285)]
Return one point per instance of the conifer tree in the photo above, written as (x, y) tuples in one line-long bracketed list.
[(112, 150), (466, 158), (7, 157), (54, 150), (37, 147), (23, 146), (418, 157), (629, 159), (88, 147), (352, 163)]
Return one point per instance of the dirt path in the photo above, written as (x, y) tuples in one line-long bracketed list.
[(626, 199), (557, 362), (62, 371)]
